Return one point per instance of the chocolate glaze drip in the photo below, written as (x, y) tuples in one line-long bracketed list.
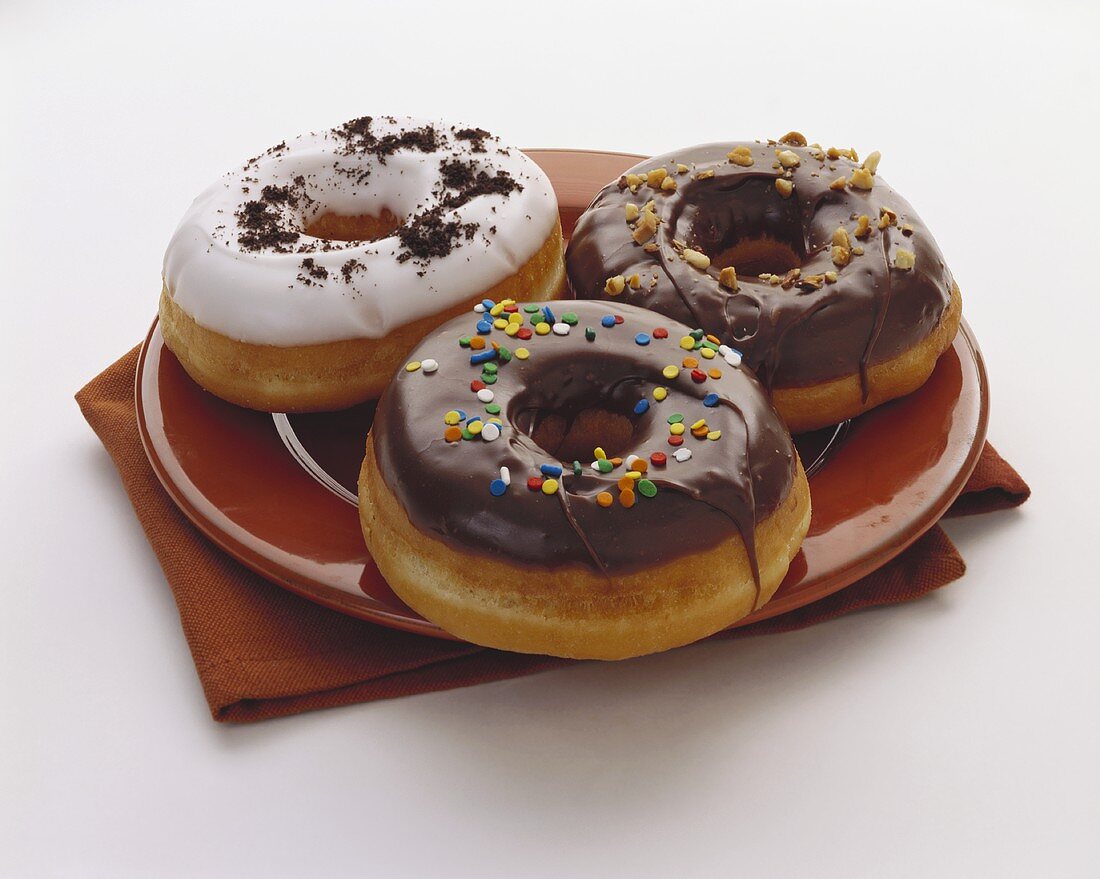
[(725, 488), (792, 335)]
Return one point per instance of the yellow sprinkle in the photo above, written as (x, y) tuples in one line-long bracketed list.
[(507, 302), (600, 454), (676, 429), (714, 434), (522, 353), (702, 422), (452, 417), (706, 353), (670, 372), (633, 474), (474, 427), (515, 318), (687, 343), (500, 323), (496, 309), (660, 393), (412, 366), (511, 329), (542, 329), (550, 486), (495, 420)]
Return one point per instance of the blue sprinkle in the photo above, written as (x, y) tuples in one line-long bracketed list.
[(461, 414), (472, 419), (488, 303), (483, 356), (552, 470), (641, 338), (497, 487), (549, 315), (608, 320), (710, 400), (484, 327), (641, 407)]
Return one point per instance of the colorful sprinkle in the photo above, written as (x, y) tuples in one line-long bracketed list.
[(550, 486), (676, 429), (452, 434), (675, 440), (608, 320), (452, 417), (490, 368), (549, 315), (477, 343), (626, 498), (534, 483), (483, 356), (500, 324), (660, 393), (505, 475), (484, 327), (561, 329), (715, 372), (625, 483), (542, 329), (429, 366), (714, 435), (412, 366), (641, 407), (486, 304), (690, 363), (570, 317), (733, 358), (590, 334), (642, 338), (522, 353), (550, 470), (670, 372), (599, 454), (682, 455), (604, 466), (493, 408), (490, 432), (475, 427), (464, 342), (698, 376), (660, 333), (687, 343), (675, 418), (658, 459), (512, 329), (638, 465), (524, 334), (605, 499), (710, 400), (618, 318), (706, 353), (646, 488), (497, 487), (531, 309)]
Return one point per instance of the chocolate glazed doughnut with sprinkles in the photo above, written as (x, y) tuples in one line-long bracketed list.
[(799, 255), (580, 480)]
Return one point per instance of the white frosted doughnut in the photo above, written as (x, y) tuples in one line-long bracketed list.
[(240, 263)]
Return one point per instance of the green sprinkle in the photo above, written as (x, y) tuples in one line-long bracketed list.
[(707, 343), (675, 418), (603, 465), (490, 368), (590, 334), (531, 309), (464, 342), (492, 408), (577, 468), (489, 378), (570, 317), (646, 488), (696, 334), (466, 435), (503, 354)]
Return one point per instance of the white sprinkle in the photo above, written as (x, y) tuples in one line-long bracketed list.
[(682, 455), (724, 350), (505, 475), (561, 329), (596, 466), (630, 459), (485, 395), (734, 357), (479, 308), (429, 365), (490, 432)]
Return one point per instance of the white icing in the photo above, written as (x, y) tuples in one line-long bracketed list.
[(263, 297)]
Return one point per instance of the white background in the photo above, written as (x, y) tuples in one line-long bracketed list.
[(956, 736)]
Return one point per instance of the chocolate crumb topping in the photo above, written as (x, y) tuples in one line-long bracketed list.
[(262, 228), (476, 136), (349, 268), (427, 236), (359, 138)]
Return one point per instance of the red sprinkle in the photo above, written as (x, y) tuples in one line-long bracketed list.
[(524, 333), (675, 440), (660, 333), (476, 385), (698, 376), (511, 309), (658, 459), (618, 318), (534, 483)]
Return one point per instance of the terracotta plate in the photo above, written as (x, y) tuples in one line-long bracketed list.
[(278, 492)]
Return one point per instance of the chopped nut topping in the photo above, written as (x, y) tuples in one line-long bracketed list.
[(635, 281), (904, 260), (631, 213), (840, 237), (831, 277), (788, 158), (812, 282), (886, 217), (857, 251), (839, 183), (862, 179), (817, 153), (654, 177), (681, 168), (705, 175), (871, 162), (785, 187), (646, 226), (788, 280), (634, 181), (668, 184), (651, 248), (841, 255), (678, 245), (907, 229), (728, 278), (863, 226), (615, 285), (741, 155), (696, 259), (793, 138)]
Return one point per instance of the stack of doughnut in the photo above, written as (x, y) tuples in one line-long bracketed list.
[(798, 255), (299, 281), (599, 478)]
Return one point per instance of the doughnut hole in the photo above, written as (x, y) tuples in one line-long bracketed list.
[(357, 227), (574, 439)]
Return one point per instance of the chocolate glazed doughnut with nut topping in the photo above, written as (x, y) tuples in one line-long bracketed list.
[(799, 256), (581, 480)]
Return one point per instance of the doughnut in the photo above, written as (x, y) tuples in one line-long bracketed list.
[(299, 280), (799, 257), (580, 480)]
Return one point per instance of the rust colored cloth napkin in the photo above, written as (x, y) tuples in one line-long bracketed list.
[(262, 652)]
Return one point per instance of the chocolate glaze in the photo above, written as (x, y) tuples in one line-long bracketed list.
[(792, 337), (725, 488)]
